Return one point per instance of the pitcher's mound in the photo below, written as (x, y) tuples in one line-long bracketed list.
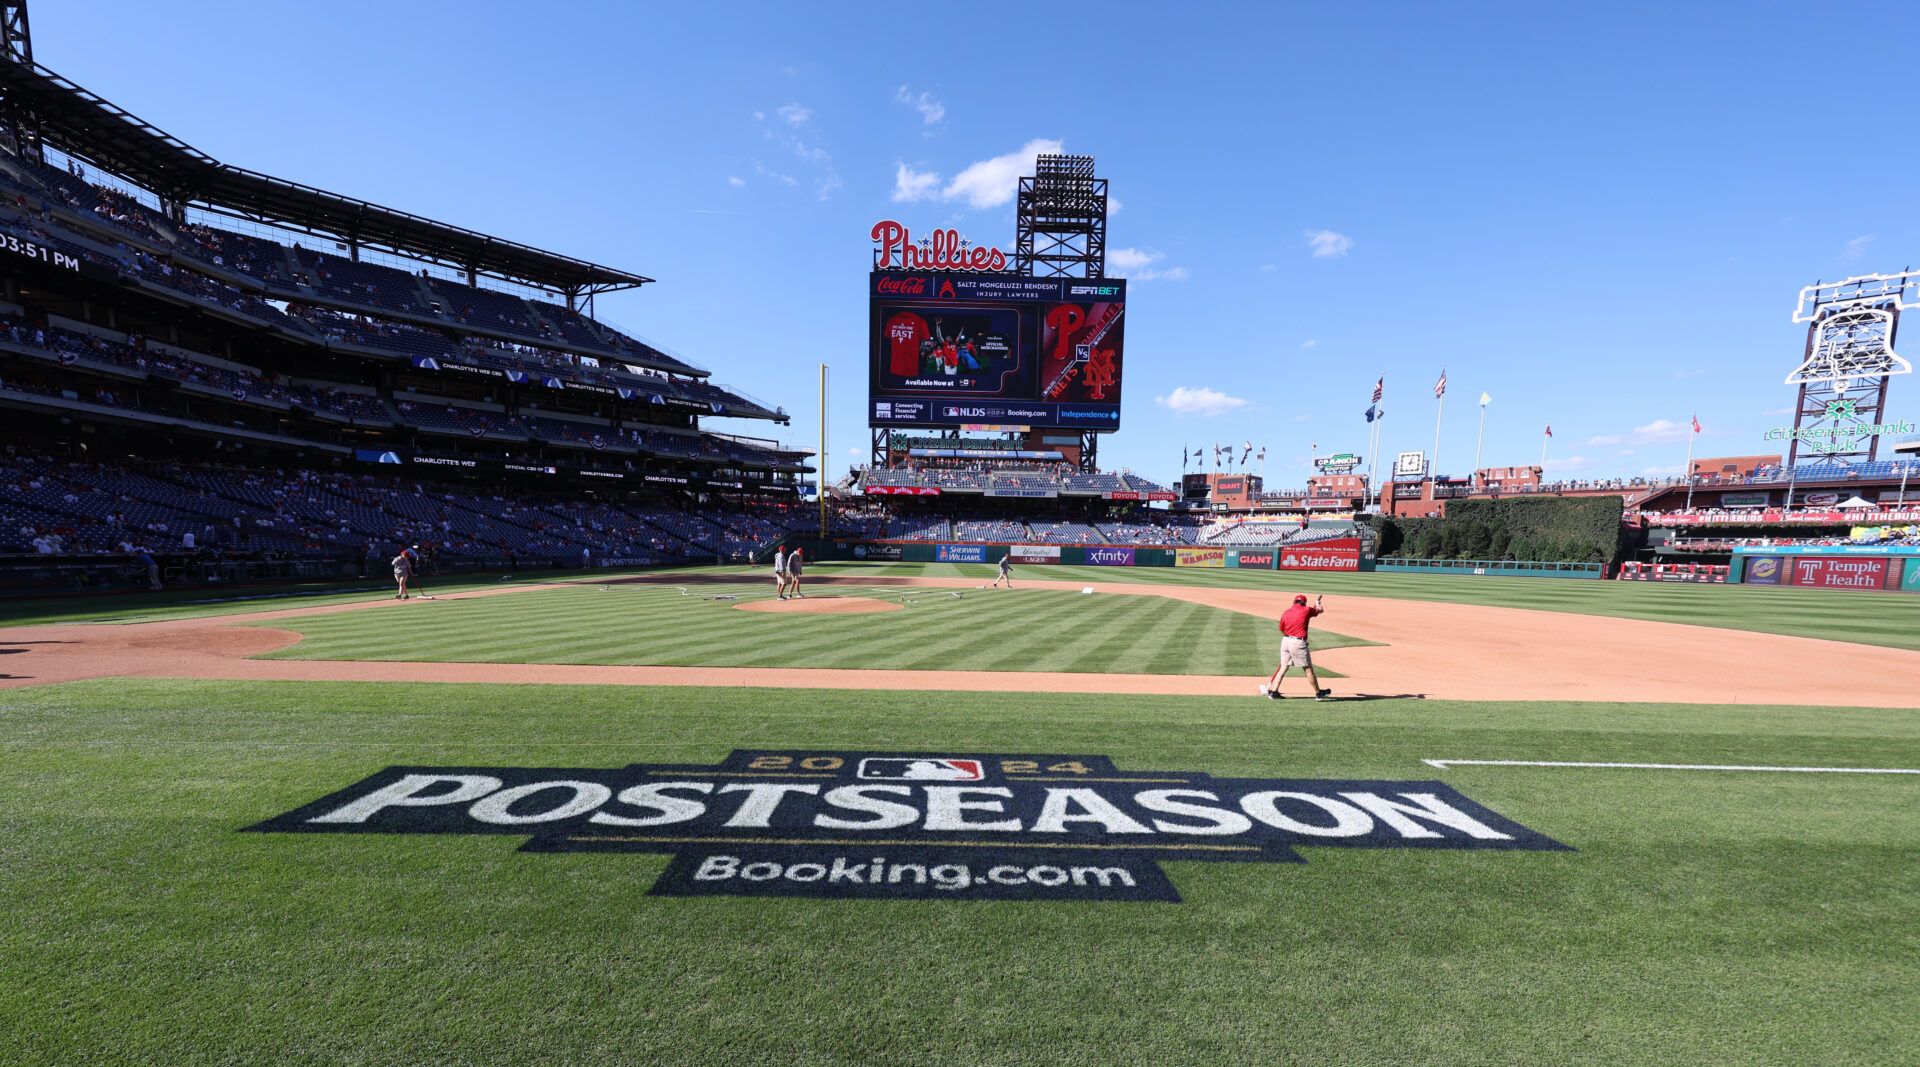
[(826, 605)]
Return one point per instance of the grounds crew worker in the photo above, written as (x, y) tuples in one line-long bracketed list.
[(1294, 648), (1006, 571)]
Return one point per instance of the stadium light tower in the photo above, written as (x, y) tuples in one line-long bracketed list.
[(16, 40), (1061, 220), (1849, 359)]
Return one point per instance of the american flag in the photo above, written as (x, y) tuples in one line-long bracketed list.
[(1440, 387), (1379, 389)]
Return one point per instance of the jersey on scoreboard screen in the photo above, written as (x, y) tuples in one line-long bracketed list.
[(904, 333)]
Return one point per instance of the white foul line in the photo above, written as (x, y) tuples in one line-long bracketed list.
[(1445, 763)]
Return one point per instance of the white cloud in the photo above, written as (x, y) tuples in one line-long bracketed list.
[(1268, 268), (1113, 204), (828, 184), (1676, 468), (735, 181), (1657, 432), (793, 114), (1204, 402), (932, 111), (910, 185), (1857, 247), (1139, 264), (1328, 244), (1303, 418), (1777, 411), (1568, 463), (1310, 343), (824, 180), (992, 182), (1685, 374), (767, 172)]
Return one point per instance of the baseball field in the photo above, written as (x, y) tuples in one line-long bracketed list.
[(1582, 822)]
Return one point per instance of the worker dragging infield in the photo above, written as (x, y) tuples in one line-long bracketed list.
[(1295, 647)]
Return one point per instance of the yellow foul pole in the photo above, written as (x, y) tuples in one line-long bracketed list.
[(820, 461)]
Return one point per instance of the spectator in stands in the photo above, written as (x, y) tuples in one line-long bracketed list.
[(152, 566)]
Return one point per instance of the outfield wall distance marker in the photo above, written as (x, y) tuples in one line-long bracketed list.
[(1445, 763)]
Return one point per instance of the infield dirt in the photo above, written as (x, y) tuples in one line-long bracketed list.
[(1434, 650)]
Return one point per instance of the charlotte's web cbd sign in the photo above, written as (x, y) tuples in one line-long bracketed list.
[(891, 825)]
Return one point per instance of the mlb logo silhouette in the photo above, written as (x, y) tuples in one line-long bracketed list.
[(921, 770)]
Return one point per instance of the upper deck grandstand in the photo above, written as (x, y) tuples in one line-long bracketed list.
[(231, 329)]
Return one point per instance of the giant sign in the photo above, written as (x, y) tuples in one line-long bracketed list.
[(949, 350), (904, 825)]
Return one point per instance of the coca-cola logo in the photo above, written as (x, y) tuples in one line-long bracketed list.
[(901, 287), (945, 250)]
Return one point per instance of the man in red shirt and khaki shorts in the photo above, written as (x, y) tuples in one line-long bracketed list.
[(1295, 650)]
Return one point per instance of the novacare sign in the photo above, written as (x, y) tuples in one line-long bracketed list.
[(892, 825)]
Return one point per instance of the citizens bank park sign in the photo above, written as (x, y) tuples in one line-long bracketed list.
[(888, 825)]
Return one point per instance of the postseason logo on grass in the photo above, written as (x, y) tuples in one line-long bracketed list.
[(888, 825)]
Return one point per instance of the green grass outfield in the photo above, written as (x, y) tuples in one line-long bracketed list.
[(1704, 918), (990, 630), (1889, 619)]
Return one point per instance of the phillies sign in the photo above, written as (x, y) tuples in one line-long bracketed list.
[(894, 248)]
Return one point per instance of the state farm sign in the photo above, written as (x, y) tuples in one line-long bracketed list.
[(1340, 554)]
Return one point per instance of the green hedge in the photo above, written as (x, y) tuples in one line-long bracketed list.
[(1550, 529)]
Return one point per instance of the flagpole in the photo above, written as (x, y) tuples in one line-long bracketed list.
[(1691, 434), (1440, 411), (1544, 438), (1373, 463), (1477, 440)]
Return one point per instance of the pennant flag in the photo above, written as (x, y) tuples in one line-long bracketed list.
[(1696, 424), (1549, 429), (1440, 387), (1485, 399), (1262, 457), (1380, 389), (1184, 457), (1372, 413)]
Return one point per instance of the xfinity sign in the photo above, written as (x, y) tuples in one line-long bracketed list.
[(901, 825)]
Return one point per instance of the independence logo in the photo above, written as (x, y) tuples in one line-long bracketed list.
[(887, 825)]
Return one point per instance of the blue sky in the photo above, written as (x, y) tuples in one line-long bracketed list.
[(1599, 215)]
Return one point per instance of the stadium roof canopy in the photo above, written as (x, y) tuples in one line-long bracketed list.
[(85, 126)]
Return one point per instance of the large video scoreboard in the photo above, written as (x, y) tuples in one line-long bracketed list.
[(947, 350)]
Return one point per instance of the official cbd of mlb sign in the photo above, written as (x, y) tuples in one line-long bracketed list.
[(889, 825)]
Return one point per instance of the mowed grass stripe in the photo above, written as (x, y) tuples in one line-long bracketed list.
[(1020, 630)]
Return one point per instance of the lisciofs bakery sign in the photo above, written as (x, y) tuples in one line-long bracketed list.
[(892, 825)]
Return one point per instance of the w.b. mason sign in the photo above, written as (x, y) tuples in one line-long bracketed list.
[(888, 825)]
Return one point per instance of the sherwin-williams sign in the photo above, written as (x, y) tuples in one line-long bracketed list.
[(960, 553), (1199, 557), (890, 825)]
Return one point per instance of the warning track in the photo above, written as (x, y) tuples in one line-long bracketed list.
[(1437, 651)]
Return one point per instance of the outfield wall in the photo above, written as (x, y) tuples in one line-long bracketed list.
[(1871, 568), (1338, 555), (1496, 568)]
